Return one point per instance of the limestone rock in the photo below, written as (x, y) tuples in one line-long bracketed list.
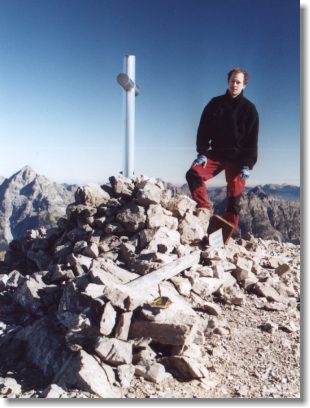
[(28, 294), (79, 371), (170, 333), (204, 215), (191, 230), (158, 217), (155, 372), (187, 368), (113, 351), (264, 289), (123, 326), (53, 391), (182, 285), (91, 195), (122, 186), (164, 240), (149, 193), (126, 373), (206, 286), (108, 319), (180, 205), (9, 387), (14, 279), (132, 217)]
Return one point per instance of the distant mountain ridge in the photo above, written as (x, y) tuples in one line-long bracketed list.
[(27, 201), (30, 201), (267, 216), (283, 191)]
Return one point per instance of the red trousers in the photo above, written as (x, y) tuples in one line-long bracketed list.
[(197, 175)]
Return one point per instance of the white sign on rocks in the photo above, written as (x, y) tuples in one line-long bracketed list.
[(216, 239)]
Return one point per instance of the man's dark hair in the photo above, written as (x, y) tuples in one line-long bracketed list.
[(237, 71)]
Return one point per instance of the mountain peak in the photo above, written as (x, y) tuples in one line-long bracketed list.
[(24, 174), (259, 191)]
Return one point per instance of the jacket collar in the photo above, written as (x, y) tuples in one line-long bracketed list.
[(236, 99)]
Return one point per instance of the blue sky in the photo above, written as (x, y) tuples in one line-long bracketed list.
[(61, 110)]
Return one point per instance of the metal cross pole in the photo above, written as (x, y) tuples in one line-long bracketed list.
[(127, 81)]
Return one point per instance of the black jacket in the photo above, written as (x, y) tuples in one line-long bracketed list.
[(228, 130)]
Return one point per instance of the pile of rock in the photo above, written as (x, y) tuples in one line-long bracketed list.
[(117, 289)]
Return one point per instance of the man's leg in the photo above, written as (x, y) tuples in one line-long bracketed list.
[(196, 177), (235, 187)]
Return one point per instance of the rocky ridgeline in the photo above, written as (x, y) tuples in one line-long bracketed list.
[(28, 200), (79, 300)]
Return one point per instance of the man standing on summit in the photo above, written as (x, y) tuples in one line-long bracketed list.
[(226, 140)]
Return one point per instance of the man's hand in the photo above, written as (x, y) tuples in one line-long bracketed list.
[(245, 172), (201, 160)]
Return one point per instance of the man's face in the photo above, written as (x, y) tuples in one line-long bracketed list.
[(236, 84)]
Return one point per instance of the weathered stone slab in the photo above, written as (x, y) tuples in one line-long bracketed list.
[(175, 333), (249, 282), (182, 285), (180, 205), (187, 368), (144, 356), (123, 326), (92, 250), (108, 319), (28, 294), (127, 299), (179, 305), (191, 230), (264, 289), (204, 271), (14, 279), (85, 373), (155, 372), (282, 269), (122, 186), (132, 217), (284, 290), (164, 240), (44, 347), (158, 217), (276, 261), (212, 308), (70, 299), (244, 263), (145, 288), (218, 254), (79, 263), (206, 286), (91, 195), (77, 234), (218, 269), (9, 387), (149, 193), (240, 274), (164, 273), (113, 351), (122, 275), (204, 215), (102, 277), (126, 373), (94, 290), (59, 273)]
